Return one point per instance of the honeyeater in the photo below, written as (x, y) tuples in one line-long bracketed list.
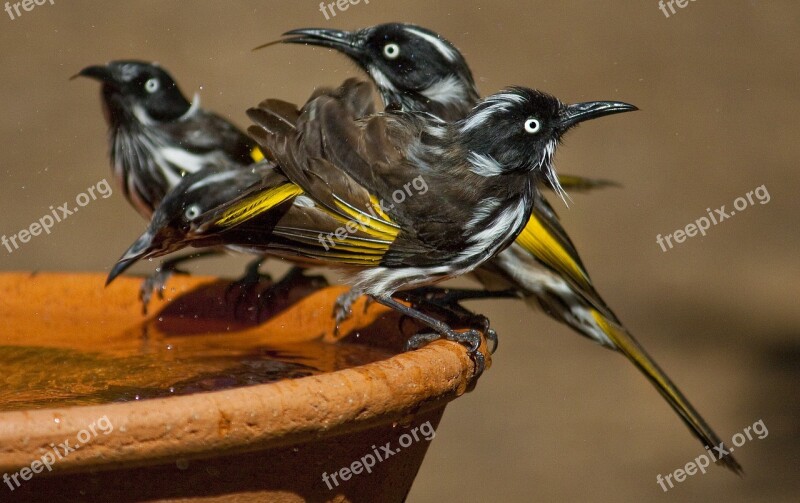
[(415, 68), (475, 185), (157, 136)]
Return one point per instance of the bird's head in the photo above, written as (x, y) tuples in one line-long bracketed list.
[(176, 220), (518, 130), (411, 65), (138, 89)]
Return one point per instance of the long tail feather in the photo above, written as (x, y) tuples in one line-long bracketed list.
[(628, 346)]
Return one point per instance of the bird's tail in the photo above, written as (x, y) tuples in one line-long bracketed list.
[(628, 346)]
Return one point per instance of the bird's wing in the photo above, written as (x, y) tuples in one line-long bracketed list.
[(321, 212), (349, 167), (206, 133), (545, 239)]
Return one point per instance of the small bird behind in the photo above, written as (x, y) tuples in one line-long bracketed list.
[(157, 137)]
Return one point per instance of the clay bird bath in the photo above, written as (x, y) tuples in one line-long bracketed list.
[(197, 403)]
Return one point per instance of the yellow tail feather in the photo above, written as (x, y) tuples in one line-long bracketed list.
[(637, 355)]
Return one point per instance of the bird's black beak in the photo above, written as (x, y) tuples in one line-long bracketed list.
[(580, 112), (346, 42), (97, 72), (143, 247)]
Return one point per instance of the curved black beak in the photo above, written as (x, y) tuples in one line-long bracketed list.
[(97, 72), (580, 112), (140, 249), (346, 42)]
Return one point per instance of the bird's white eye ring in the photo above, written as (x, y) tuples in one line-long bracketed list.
[(533, 126), (152, 85), (192, 212), (391, 51)]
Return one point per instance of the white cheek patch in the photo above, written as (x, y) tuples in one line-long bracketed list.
[(192, 109), (381, 80), (446, 91), (445, 50), (142, 116)]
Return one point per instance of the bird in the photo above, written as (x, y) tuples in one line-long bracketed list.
[(263, 185), (157, 136), (415, 68), (344, 169)]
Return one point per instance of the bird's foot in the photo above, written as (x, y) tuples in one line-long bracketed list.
[(343, 308), (471, 339), (157, 283)]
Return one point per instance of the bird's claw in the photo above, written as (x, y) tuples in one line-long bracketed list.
[(471, 339), (343, 308), (156, 283)]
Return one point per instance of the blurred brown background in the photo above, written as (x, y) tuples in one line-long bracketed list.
[(555, 418)]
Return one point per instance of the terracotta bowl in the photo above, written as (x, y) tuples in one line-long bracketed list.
[(208, 399)]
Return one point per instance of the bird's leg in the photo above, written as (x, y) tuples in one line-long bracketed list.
[(453, 310), (247, 282), (157, 281), (471, 338), (451, 296), (343, 308)]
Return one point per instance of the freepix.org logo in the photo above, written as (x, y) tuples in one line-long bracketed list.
[(15, 9), (702, 224), (58, 452), (57, 214), (332, 239)]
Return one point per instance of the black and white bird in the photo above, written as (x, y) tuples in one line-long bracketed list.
[(345, 170), (157, 136), (415, 68)]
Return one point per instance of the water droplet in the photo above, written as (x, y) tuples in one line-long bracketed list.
[(182, 464), (169, 347)]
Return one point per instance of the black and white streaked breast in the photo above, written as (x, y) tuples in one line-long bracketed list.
[(147, 163)]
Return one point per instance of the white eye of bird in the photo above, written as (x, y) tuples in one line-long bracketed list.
[(533, 126), (152, 85), (391, 51), (192, 212)]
